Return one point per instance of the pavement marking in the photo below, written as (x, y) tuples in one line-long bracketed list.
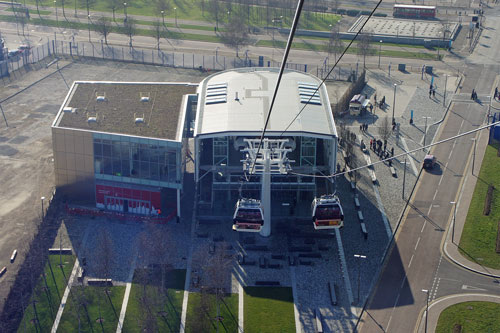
[(240, 307), (128, 286), (298, 325), (382, 211), (433, 198), (411, 259), (402, 283), (423, 226), (416, 245), (344, 266), (411, 157), (466, 287)]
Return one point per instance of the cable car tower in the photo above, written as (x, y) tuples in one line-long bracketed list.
[(266, 160)]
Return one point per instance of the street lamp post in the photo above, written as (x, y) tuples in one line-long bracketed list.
[(444, 90), (359, 256), (473, 155), (425, 130), (43, 211), (163, 17), (57, 18), (88, 25), (453, 225), (404, 177), (125, 10), (394, 104), (426, 307), (228, 13), (175, 12), (379, 52)]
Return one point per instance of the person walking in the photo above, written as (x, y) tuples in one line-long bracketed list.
[(434, 93)]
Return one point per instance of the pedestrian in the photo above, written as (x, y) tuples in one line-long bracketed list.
[(367, 127), (434, 93), (361, 127), (496, 92), (375, 98), (430, 93), (472, 95), (371, 108)]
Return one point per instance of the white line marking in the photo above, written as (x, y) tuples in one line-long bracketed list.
[(411, 259), (402, 283), (423, 226), (382, 211), (416, 245), (435, 193), (412, 163), (440, 180)]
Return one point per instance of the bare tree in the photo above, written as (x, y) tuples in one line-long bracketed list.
[(236, 34), (365, 46), (159, 31), (162, 5), (335, 44), (213, 9), (384, 129), (130, 28), (104, 263), (335, 5), (113, 5), (103, 27)]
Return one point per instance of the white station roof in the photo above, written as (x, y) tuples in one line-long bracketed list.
[(237, 101)]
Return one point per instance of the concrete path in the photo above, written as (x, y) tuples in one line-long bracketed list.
[(298, 325), (128, 286), (241, 296), (65, 297)]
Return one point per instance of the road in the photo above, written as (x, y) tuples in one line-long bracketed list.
[(416, 261), (36, 35)]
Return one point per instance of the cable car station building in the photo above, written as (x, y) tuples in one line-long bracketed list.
[(120, 145), (233, 106)]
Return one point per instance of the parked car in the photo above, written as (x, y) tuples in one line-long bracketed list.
[(13, 54), (429, 161), (24, 48)]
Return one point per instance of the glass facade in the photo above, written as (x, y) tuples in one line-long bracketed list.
[(136, 160)]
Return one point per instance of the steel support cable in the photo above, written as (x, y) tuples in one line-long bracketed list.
[(335, 65), (396, 156), (282, 68)]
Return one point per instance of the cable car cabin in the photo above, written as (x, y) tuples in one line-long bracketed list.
[(327, 212), (248, 216)]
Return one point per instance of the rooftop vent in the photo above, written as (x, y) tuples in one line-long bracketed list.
[(138, 119), (216, 93), (92, 119), (145, 99), (308, 93), (69, 109), (100, 97)]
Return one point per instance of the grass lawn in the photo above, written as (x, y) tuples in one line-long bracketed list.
[(47, 300), (480, 232), (31, 11), (168, 312), (473, 316), (191, 10), (228, 312), (89, 314), (352, 49), (269, 309)]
